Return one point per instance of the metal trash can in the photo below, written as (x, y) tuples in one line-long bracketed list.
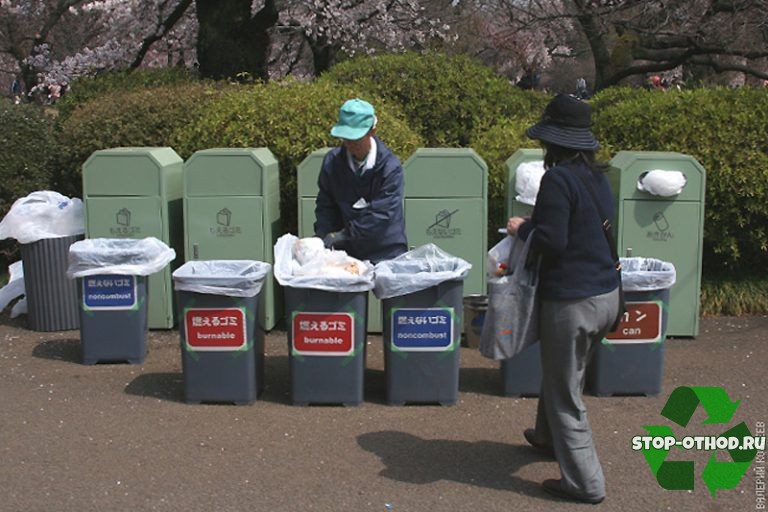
[(422, 294), (630, 360), (475, 307), (52, 299), (222, 345), (521, 375), (112, 286), (326, 345)]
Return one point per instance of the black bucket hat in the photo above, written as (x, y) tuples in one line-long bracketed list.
[(565, 122)]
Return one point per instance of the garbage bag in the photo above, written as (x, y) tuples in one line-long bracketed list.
[(416, 270), (15, 286), (527, 180), (118, 256), (233, 278), (646, 274), (43, 214), (501, 256), (326, 269), (662, 183), (20, 308)]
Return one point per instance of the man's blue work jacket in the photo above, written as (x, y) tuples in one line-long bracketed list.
[(376, 230)]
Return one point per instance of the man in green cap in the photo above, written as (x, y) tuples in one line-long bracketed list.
[(359, 205)]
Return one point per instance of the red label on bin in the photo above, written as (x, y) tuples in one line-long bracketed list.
[(215, 329), (323, 334), (641, 324)]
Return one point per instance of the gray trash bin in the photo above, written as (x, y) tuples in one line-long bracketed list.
[(221, 341), (112, 286), (521, 375), (630, 361), (422, 292)]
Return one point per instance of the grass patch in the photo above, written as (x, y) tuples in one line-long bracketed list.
[(734, 295)]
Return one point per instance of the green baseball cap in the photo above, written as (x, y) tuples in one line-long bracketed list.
[(356, 118)]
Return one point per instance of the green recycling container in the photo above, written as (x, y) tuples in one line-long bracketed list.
[(666, 228), (515, 208), (232, 212), (136, 193), (446, 203), (308, 173)]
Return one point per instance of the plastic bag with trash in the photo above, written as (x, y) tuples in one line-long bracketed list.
[(302, 263), (646, 274), (118, 256), (43, 214), (662, 183), (416, 270), (233, 278), (14, 289), (527, 180)]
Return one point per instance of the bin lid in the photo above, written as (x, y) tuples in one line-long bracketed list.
[(445, 172), (229, 172), (627, 167), (136, 171), (308, 171)]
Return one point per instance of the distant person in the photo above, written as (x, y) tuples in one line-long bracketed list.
[(581, 89), (359, 206), (16, 91), (578, 287)]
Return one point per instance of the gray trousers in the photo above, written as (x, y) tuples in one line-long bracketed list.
[(568, 333)]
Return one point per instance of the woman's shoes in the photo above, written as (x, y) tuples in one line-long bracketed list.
[(555, 488), (530, 435)]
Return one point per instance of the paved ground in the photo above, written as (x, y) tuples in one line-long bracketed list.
[(120, 437)]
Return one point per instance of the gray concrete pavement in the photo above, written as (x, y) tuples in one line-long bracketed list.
[(120, 437)]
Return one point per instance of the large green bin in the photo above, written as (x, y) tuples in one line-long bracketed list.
[(307, 175), (515, 208), (666, 228), (446, 203), (136, 193), (232, 212)]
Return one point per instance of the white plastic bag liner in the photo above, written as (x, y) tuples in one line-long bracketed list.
[(233, 278), (118, 256), (416, 270), (502, 253), (527, 180), (20, 308), (43, 214), (646, 274), (662, 183), (15, 286), (322, 272)]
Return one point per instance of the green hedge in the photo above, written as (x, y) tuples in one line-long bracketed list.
[(292, 119), (123, 119), (724, 129), (111, 82), (449, 100), (27, 151)]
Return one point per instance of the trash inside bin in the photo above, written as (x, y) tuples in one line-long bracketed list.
[(112, 286), (422, 292), (221, 343), (46, 223), (326, 294), (630, 360)]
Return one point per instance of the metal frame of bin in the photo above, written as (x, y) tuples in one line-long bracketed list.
[(423, 371), (326, 345)]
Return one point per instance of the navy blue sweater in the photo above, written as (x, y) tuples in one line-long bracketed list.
[(377, 231), (576, 259)]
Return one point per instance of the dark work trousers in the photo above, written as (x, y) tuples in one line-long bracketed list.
[(569, 331)]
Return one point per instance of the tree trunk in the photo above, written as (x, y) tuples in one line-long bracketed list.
[(323, 55), (231, 41)]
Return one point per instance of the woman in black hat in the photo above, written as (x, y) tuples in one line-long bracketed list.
[(578, 287)]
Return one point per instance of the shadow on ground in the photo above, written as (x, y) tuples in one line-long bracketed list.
[(59, 350), (164, 386), (487, 464)]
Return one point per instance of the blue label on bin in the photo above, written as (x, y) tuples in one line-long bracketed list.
[(109, 292), (425, 330)]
